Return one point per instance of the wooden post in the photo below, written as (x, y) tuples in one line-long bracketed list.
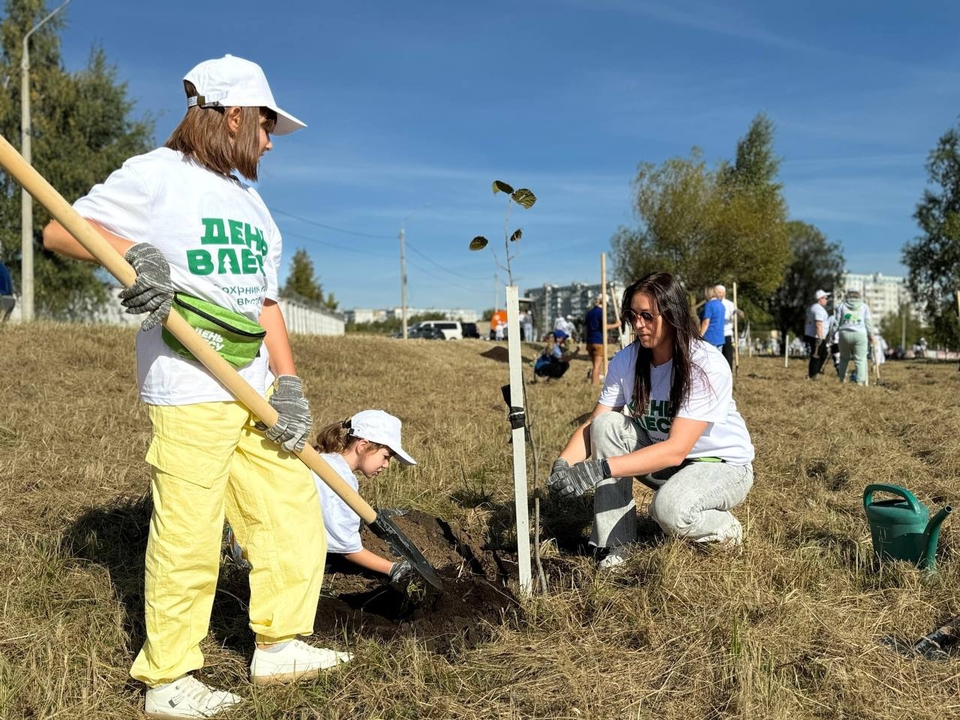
[(519, 440), (736, 334), (786, 345), (603, 306)]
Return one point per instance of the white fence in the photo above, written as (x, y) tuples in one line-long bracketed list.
[(302, 318)]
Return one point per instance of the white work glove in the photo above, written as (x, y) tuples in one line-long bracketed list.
[(152, 291), (401, 573), (293, 425), (576, 479)]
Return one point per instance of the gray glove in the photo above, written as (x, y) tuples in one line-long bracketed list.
[(152, 291), (401, 573), (293, 425), (566, 479)]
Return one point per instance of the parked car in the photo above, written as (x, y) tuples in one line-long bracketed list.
[(435, 330), (470, 330), (451, 329)]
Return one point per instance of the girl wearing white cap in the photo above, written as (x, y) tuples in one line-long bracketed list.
[(203, 242), (365, 443)]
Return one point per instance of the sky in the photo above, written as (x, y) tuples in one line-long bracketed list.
[(415, 108)]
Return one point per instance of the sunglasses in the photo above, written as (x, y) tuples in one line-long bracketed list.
[(643, 316)]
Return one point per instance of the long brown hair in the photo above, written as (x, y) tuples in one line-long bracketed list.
[(672, 303), (204, 136), (337, 438)]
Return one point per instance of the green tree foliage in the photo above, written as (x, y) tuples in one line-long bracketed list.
[(82, 131), (933, 258), (815, 264), (303, 284), (894, 326), (710, 226)]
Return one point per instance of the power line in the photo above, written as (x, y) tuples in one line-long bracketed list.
[(362, 251), (331, 227), (445, 269)]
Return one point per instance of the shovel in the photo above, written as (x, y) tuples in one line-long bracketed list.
[(381, 525)]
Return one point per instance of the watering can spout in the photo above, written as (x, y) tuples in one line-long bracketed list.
[(933, 535)]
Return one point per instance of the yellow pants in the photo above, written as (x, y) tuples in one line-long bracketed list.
[(208, 459)]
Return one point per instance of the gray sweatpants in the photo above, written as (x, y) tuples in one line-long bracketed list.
[(694, 501)]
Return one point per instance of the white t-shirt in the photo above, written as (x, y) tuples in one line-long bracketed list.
[(342, 524), (816, 313), (222, 246), (710, 400), (728, 310)]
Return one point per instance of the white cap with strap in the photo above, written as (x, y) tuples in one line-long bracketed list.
[(234, 82)]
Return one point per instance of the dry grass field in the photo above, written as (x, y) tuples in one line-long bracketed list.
[(787, 628)]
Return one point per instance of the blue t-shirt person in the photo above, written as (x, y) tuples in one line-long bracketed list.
[(6, 284), (714, 312), (593, 326)]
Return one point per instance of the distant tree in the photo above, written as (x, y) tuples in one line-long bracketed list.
[(302, 282), (711, 226), (933, 258), (894, 326), (82, 131), (815, 264), (487, 315), (756, 166)]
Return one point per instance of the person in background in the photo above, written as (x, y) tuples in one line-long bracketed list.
[(666, 416), (815, 333), (711, 324), (7, 300), (852, 318), (720, 292), (528, 327), (551, 364), (595, 338)]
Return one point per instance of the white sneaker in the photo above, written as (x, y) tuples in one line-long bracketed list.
[(293, 661), (187, 698), (614, 559)]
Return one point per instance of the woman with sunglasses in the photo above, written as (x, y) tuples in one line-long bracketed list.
[(666, 416)]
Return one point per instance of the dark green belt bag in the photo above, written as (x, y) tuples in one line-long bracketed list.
[(235, 337)]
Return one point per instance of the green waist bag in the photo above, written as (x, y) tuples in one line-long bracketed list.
[(235, 337)]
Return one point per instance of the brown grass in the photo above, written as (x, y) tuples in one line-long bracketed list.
[(787, 628)]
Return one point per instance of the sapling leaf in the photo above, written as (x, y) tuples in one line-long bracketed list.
[(517, 234), (500, 186), (478, 243), (524, 198)]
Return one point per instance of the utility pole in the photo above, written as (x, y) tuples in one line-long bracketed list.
[(26, 199), (403, 279)]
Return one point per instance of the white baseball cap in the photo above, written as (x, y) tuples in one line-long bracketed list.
[(380, 427), (821, 294), (234, 82)]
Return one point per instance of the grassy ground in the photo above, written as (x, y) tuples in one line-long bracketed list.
[(787, 628)]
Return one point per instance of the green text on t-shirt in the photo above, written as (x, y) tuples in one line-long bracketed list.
[(658, 418), (247, 259)]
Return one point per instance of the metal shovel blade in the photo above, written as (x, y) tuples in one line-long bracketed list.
[(384, 528)]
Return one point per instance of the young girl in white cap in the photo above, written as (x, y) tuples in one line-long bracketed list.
[(365, 443), (187, 223)]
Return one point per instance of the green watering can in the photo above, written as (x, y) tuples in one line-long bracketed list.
[(900, 527)]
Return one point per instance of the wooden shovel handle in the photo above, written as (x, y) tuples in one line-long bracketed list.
[(94, 243)]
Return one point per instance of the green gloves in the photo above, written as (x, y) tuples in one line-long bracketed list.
[(294, 423), (152, 291), (576, 479)]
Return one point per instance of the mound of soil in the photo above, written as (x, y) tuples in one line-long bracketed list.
[(463, 614)]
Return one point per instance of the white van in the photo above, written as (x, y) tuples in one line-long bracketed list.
[(451, 329)]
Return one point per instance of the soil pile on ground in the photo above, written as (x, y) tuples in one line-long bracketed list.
[(473, 600)]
